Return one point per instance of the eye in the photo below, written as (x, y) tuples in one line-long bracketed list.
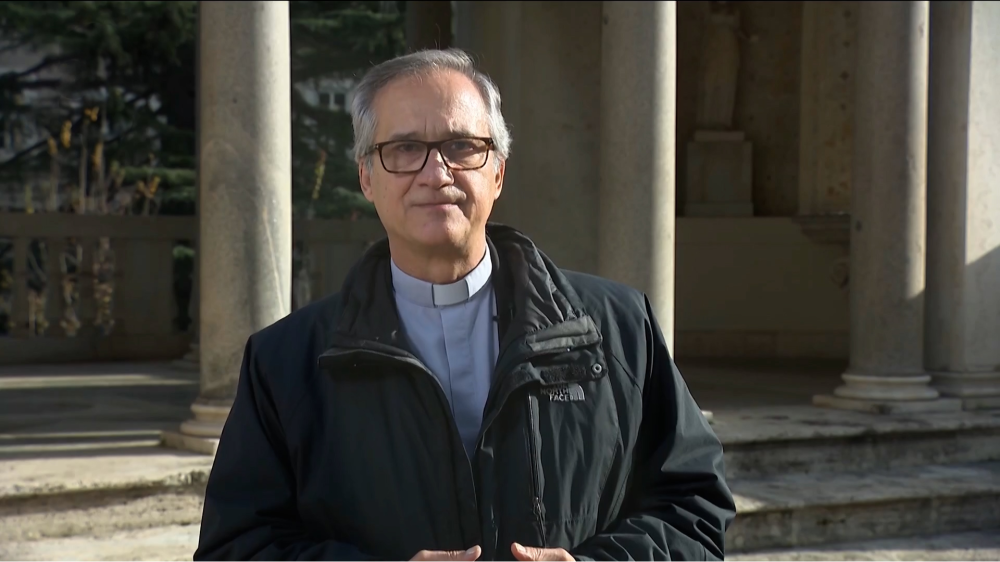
[(407, 147), (465, 146)]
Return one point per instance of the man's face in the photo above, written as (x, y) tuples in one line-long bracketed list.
[(435, 208)]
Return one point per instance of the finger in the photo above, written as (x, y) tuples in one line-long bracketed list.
[(520, 552), (526, 552), (456, 555)]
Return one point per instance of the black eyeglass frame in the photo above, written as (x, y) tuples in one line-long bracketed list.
[(431, 145)]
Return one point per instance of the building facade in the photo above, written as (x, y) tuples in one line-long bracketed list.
[(783, 179)]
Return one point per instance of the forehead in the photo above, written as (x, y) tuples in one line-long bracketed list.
[(430, 106)]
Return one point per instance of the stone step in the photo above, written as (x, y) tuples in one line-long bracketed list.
[(977, 545), (64, 495), (797, 510), (809, 440)]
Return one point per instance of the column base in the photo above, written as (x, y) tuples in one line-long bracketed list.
[(190, 361), (201, 434), (977, 391), (178, 440), (889, 407), (887, 394), (886, 387)]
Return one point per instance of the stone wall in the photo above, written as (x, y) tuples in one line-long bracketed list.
[(757, 287), (827, 107)]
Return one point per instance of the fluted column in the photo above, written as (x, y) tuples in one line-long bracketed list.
[(962, 335), (888, 216), (244, 197)]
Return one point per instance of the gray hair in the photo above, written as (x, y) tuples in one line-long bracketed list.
[(419, 63)]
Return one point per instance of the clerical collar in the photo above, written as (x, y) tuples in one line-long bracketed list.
[(430, 295)]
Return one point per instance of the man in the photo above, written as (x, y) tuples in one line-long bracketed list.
[(461, 398)]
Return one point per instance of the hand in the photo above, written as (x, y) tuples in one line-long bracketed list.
[(471, 554), (531, 553)]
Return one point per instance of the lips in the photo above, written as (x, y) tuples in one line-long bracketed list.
[(437, 204)]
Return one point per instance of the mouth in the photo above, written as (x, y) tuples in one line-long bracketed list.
[(439, 205)]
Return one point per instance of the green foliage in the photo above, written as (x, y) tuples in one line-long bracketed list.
[(333, 40), (131, 60), (135, 62)]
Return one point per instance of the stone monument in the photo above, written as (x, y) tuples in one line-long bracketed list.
[(719, 159)]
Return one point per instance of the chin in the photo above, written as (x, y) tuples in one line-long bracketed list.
[(446, 233)]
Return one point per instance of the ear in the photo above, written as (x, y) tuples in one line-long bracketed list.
[(365, 178), (501, 170)]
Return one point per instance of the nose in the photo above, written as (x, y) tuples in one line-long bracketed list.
[(435, 172)]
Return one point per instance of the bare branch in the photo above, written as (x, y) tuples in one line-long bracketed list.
[(46, 62)]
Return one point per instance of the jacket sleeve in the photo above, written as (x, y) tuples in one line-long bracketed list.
[(677, 506), (250, 511)]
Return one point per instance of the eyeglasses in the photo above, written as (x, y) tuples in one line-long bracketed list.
[(409, 156)]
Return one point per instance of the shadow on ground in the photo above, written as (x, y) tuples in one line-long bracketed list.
[(73, 410)]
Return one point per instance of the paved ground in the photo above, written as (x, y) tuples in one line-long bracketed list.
[(176, 542), (89, 409), (179, 541)]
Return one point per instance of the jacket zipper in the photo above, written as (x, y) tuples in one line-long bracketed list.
[(442, 400), (492, 410), (534, 459)]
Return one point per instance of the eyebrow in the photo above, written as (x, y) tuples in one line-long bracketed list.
[(413, 135)]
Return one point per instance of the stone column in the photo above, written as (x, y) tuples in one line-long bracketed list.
[(638, 111), (244, 197), (962, 335), (428, 24), (888, 216)]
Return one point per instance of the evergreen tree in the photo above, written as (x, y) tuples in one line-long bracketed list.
[(113, 91), (334, 41), (111, 104)]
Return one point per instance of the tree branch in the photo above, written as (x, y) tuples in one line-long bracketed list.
[(44, 142), (46, 62)]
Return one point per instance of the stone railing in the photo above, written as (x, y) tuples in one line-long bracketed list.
[(104, 287)]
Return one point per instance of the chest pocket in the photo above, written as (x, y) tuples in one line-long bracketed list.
[(573, 438)]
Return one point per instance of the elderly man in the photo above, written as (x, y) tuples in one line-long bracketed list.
[(462, 397)]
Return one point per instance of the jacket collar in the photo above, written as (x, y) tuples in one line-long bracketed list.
[(535, 302)]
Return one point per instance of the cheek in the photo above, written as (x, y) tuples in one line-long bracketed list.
[(389, 193)]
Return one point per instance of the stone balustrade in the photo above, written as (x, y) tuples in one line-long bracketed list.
[(101, 287)]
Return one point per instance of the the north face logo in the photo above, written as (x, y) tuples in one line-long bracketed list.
[(571, 392)]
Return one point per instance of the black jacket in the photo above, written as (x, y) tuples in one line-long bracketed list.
[(341, 444)]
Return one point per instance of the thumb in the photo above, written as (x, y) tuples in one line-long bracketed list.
[(472, 554), (526, 552)]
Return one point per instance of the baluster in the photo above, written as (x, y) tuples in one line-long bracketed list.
[(86, 308), (19, 303), (53, 282)]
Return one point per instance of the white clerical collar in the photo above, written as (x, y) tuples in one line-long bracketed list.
[(427, 294)]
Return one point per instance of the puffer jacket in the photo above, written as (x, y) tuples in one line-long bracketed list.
[(341, 444)]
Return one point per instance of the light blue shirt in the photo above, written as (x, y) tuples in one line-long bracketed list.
[(451, 329)]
